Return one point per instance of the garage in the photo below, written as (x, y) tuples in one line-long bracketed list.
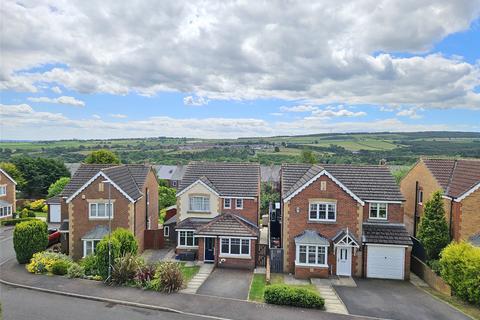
[(385, 262), (54, 210), (387, 251)]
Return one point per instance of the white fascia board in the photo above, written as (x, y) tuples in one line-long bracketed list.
[(384, 201), (194, 183), (467, 193), (8, 176), (324, 173)]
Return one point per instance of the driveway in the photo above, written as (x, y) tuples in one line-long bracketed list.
[(228, 283), (399, 300)]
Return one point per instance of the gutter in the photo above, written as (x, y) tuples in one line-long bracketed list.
[(415, 212)]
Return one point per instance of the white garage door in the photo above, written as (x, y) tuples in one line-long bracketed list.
[(55, 213), (385, 262)]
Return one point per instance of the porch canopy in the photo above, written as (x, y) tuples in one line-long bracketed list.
[(97, 233), (311, 237), (345, 238), (228, 224)]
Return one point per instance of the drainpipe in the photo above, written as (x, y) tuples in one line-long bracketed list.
[(451, 218), (415, 212), (363, 261)]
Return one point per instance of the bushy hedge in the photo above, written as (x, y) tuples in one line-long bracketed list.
[(29, 237), (60, 267), (89, 265), (460, 268), (101, 254), (128, 242), (290, 296), (43, 262), (15, 221)]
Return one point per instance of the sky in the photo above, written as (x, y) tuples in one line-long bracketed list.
[(226, 69)]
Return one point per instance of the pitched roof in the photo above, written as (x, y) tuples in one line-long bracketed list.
[(96, 233), (342, 233), (384, 233), (368, 182), (192, 223), (229, 224), (4, 203), (8, 176), (311, 237), (456, 177), (130, 178), (228, 179), (172, 219), (475, 240)]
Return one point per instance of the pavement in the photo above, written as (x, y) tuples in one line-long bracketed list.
[(333, 303), (227, 283), (202, 275), (399, 300), (153, 256)]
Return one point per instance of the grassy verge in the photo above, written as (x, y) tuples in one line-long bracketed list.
[(188, 272), (40, 214), (461, 305), (257, 288), (277, 278)]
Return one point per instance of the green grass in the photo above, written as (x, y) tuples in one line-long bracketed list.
[(257, 288), (461, 305), (278, 278), (188, 272), (39, 214)]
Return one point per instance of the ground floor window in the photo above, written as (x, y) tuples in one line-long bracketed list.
[(312, 255), (235, 246), (89, 247), (166, 231), (187, 239), (5, 211)]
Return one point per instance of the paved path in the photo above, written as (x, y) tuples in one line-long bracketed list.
[(228, 283), (332, 301), (202, 275)]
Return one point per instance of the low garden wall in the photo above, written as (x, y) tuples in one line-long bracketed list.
[(429, 276)]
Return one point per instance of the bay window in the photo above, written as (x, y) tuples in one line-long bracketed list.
[(89, 246), (312, 255), (378, 210), (323, 211), (235, 247), (5, 211)]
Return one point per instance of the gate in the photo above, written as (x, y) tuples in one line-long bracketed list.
[(276, 260), (153, 239), (418, 250), (261, 257)]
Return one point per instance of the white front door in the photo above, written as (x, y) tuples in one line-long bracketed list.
[(55, 213), (344, 261)]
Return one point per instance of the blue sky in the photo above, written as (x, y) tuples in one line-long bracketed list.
[(195, 74)]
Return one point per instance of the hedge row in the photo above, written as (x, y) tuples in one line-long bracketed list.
[(291, 296), (29, 237), (12, 222)]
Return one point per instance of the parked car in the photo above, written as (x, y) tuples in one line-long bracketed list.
[(53, 236)]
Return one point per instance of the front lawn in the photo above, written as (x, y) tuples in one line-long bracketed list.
[(188, 272), (258, 285), (40, 214)]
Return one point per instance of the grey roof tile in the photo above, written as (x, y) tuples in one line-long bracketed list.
[(384, 233), (475, 240), (192, 223), (312, 237), (229, 224), (97, 233)]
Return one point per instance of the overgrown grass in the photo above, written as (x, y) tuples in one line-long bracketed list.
[(188, 272), (463, 306), (257, 288), (278, 278)]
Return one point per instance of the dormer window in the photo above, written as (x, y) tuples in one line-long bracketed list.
[(378, 210)]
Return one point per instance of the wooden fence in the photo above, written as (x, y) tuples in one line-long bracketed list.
[(153, 239)]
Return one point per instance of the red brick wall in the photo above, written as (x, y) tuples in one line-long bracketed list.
[(309, 272), (238, 263), (456, 219), (298, 222), (10, 197), (395, 213), (250, 210), (79, 222)]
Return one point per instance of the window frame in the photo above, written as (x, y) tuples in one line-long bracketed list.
[(229, 203), (184, 234), (236, 203), (420, 197), (242, 242), (327, 206), (166, 231), (3, 187), (93, 246), (191, 209), (96, 217), (7, 209), (316, 252), (377, 216)]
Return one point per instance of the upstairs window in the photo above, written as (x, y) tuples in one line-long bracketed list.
[(239, 203), (3, 190), (199, 204), (322, 211), (378, 210), (227, 203), (420, 196), (99, 211)]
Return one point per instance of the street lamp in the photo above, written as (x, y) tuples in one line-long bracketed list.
[(109, 229)]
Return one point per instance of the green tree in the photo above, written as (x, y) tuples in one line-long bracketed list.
[(39, 174), (166, 197), (102, 156), (268, 194), (57, 187), (29, 237), (433, 229), (12, 170), (307, 156)]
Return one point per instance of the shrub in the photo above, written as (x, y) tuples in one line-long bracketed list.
[(101, 254), (144, 274), (60, 267), (37, 205), (12, 222), (75, 271), (435, 266), (125, 268), (43, 262), (128, 242), (24, 213), (460, 268), (89, 265), (290, 296), (168, 277), (29, 237)]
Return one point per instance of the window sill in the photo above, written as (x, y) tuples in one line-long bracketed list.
[(99, 218), (235, 256), (323, 221), (377, 220), (306, 265), (187, 247), (203, 212)]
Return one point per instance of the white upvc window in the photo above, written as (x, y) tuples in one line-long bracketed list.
[(166, 231), (312, 255), (5, 211), (199, 204), (3, 190), (227, 203), (187, 239), (239, 203), (89, 246), (378, 210), (99, 210), (235, 247), (322, 211)]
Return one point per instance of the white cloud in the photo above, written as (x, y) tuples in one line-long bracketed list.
[(195, 101), (56, 89), (118, 115), (96, 116), (300, 108), (328, 113), (314, 52), (411, 113), (276, 114), (60, 100)]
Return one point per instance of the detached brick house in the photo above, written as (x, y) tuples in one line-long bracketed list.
[(7, 195), (84, 205), (459, 180), (218, 207), (343, 220)]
